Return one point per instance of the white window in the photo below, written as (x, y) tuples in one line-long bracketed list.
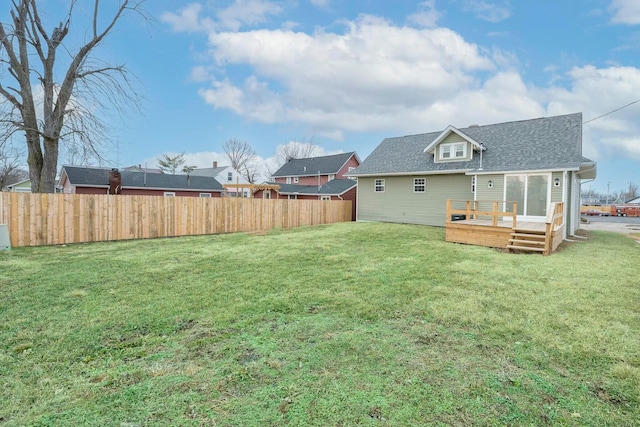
[(419, 185), (295, 179), (288, 180), (229, 176), (266, 194), (532, 192), (169, 194), (454, 150), (293, 196), (379, 185), (205, 195), (332, 177), (325, 197)]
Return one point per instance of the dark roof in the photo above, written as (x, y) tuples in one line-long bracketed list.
[(212, 172), (323, 165), (99, 177), (548, 143), (333, 187)]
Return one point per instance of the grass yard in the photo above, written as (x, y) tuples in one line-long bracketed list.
[(351, 324)]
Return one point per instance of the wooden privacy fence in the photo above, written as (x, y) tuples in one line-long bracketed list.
[(53, 219)]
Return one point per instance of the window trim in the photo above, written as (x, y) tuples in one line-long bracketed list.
[(423, 185), (293, 197), (325, 198), (205, 195), (230, 176), (453, 151), (170, 194), (379, 185), (295, 180)]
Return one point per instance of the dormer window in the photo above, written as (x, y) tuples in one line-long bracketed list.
[(455, 150)]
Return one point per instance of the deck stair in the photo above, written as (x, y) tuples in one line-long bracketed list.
[(527, 240)]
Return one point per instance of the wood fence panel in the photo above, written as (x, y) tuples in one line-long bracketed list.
[(54, 219)]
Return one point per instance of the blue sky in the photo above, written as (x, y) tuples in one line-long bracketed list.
[(347, 74)]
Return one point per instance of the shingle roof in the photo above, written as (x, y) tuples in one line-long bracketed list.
[(548, 143), (333, 187), (208, 171), (99, 177), (314, 165)]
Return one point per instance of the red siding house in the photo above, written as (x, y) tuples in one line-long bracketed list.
[(317, 178), (90, 180)]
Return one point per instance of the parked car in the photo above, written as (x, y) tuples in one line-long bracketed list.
[(593, 212)]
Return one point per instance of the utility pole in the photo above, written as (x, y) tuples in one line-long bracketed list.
[(608, 185)]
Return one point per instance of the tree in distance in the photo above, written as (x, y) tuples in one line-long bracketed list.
[(53, 92)]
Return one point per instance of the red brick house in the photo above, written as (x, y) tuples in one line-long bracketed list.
[(90, 180), (316, 178)]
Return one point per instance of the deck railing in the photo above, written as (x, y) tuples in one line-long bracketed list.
[(555, 218), (483, 209), (492, 213)]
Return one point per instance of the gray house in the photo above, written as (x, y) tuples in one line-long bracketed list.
[(534, 162)]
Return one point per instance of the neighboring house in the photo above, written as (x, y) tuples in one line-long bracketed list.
[(534, 162), (636, 200), (25, 187), (91, 180), (139, 168), (316, 170), (20, 187), (319, 178), (224, 175)]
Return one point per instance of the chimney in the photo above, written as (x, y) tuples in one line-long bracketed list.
[(115, 182), (215, 164)]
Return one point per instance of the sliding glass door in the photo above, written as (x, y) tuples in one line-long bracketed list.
[(530, 191)]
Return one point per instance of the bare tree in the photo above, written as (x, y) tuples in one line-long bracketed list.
[(633, 191), (170, 164), (293, 150), (10, 171), (242, 158), (53, 111)]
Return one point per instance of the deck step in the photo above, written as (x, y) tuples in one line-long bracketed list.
[(529, 234), (528, 242), (525, 248)]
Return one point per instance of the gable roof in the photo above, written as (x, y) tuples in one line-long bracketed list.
[(449, 130), (323, 165), (212, 172), (99, 177), (335, 187), (547, 143)]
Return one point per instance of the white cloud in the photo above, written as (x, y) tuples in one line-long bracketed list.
[(237, 15), (488, 11), (625, 12), (364, 79), (597, 91), (188, 20), (378, 76), (427, 17), (247, 12), (320, 3)]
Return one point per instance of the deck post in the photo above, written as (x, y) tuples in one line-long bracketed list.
[(494, 216), (468, 209), (514, 212), (447, 219)]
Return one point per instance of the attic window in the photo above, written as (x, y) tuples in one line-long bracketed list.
[(454, 150)]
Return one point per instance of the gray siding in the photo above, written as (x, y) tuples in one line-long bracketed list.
[(484, 193), (400, 204), (556, 192)]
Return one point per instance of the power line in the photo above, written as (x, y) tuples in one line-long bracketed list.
[(611, 112)]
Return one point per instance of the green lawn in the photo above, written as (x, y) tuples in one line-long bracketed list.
[(352, 324)]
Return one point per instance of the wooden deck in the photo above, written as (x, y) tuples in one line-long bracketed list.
[(493, 227)]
